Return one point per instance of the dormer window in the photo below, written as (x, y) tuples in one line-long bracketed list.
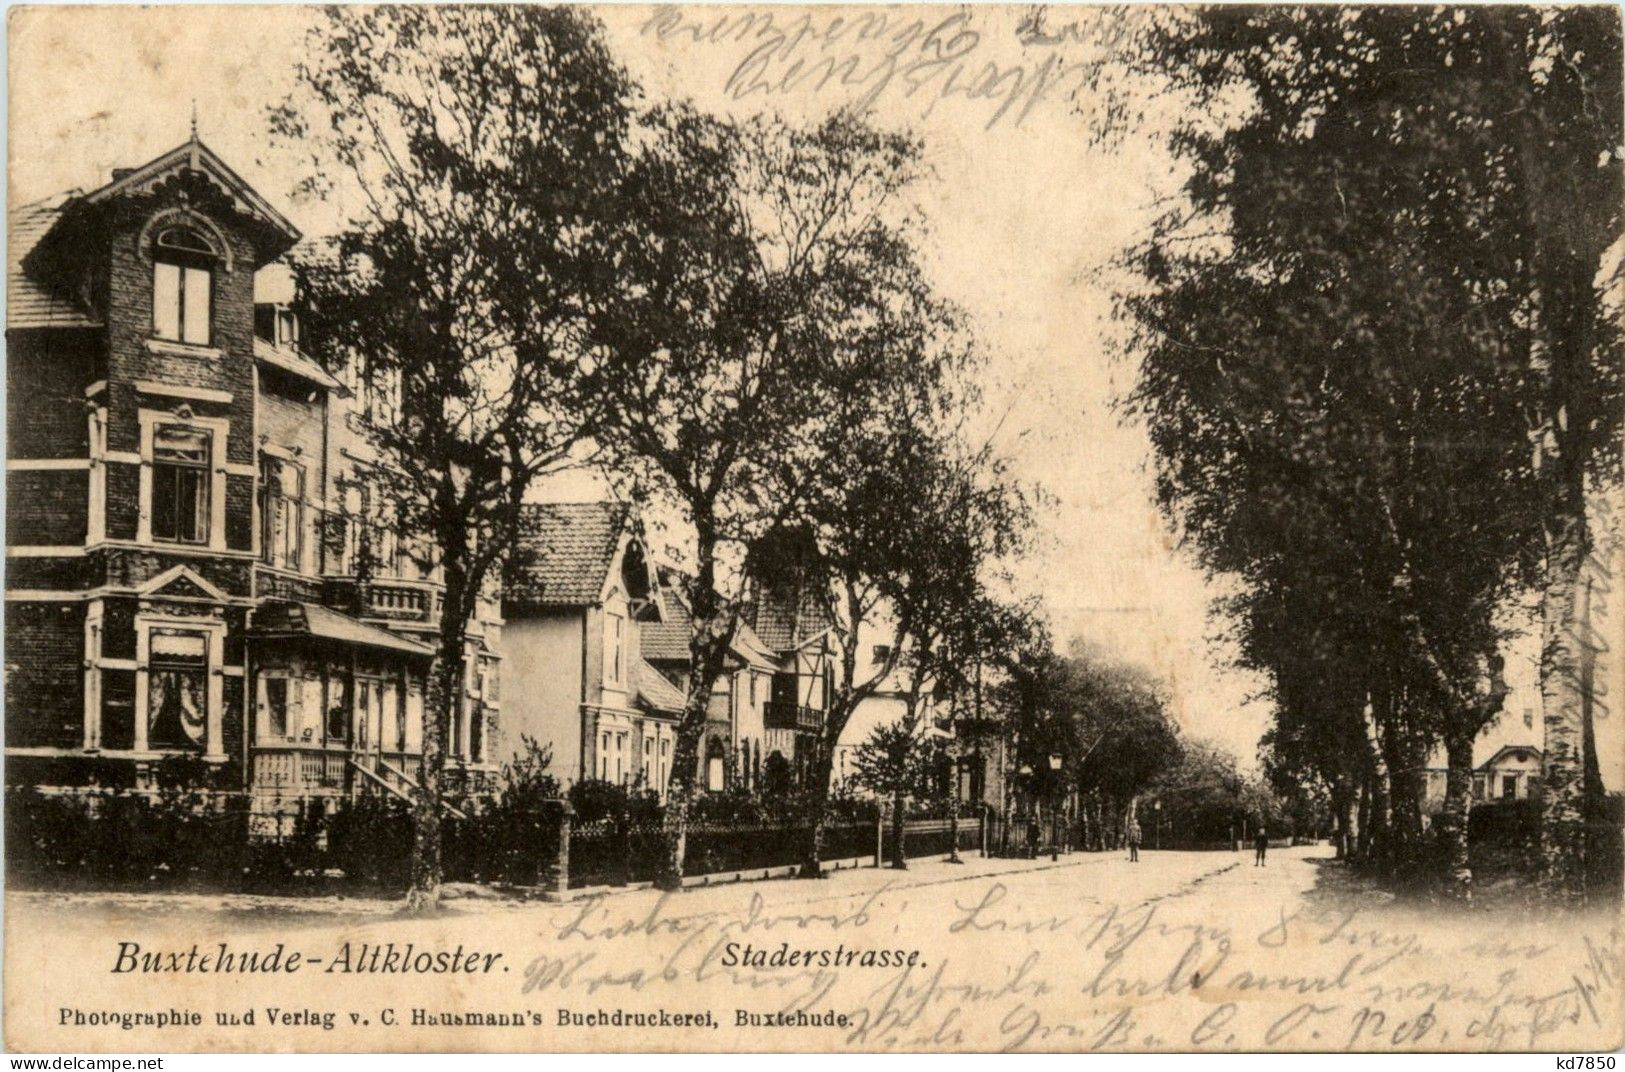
[(277, 324), (182, 285)]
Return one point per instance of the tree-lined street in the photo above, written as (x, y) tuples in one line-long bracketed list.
[(1182, 950)]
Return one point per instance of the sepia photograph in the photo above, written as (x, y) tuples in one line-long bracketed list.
[(814, 529)]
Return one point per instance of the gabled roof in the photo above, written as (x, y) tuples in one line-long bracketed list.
[(29, 303), (787, 618), (667, 640), (750, 647), (653, 690), (1531, 749), (195, 156), (286, 618), (670, 605), (563, 555)]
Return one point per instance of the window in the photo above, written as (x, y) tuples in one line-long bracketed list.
[(180, 484), (400, 720), (177, 689), (882, 652), (614, 667), (276, 707), (363, 709), (476, 736), (182, 279), (714, 777), (338, 708), (752, 688), (282, 513), (371, 524), (1509, 786), (377, 388)]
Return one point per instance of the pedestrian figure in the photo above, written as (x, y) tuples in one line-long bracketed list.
[(1133, 840), (1262, 844), (1032, 837)]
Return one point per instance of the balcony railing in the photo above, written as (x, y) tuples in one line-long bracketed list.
[(300, 769), (296, 769), (777, 715), (402, 601)]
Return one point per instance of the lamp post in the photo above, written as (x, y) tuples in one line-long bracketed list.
[(1157, 807), (1032, 821), (1054, 828)]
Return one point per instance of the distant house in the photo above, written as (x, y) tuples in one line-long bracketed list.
[(577, 682), (1512, 772), (735, 736), (887, 705), (791, 623)]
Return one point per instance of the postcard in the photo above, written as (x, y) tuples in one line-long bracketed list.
[(923, 529)]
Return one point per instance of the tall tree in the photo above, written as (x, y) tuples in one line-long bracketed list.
[(906, 544), (1380, 345), (477, 151), (739, 266), (1124, 733)]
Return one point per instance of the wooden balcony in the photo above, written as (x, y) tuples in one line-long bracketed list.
[(787, 716)]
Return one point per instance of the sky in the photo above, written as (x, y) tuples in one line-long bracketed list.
[(1026, 216)]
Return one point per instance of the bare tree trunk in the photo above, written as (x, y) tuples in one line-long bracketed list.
[(1453, 823), (1363, 822), (444, 694), (1380, 821), (812, 862), (1340, 801), (713, 626), (1563, 697), (899, 858), (1349, 823), (679, 793), (1408, 789)]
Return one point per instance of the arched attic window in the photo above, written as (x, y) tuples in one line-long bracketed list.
[(183, 263)]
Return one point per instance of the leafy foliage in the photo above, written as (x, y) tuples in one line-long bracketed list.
[(1374, 364), (480, 150)]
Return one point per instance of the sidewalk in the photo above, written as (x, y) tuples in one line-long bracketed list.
[(252, 910)]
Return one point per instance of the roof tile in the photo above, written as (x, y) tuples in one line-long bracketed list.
[(30, 304), (563, 554)]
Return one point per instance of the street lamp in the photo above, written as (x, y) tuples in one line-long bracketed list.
[(1157, 807), (1054, 827), (1026, 772)]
